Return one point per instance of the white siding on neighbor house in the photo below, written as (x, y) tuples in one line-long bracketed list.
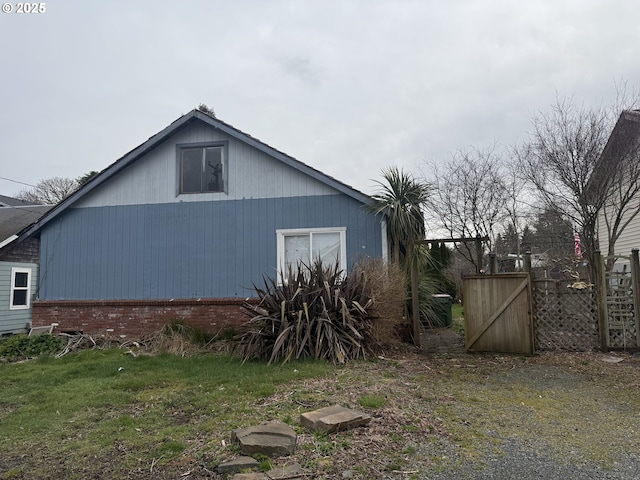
[(252, 174), (629, 239), (18, 320)]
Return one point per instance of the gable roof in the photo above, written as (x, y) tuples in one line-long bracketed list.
[(623, 142), (625, 133), (14, 219), (178, 125), (13, 202)]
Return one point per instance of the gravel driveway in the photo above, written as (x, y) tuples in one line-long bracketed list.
[(526, 462), (600, 417)]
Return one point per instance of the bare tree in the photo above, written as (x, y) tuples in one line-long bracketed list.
[(559, 159), (620, 160), (517, 207), (49, 191), (471, 196)]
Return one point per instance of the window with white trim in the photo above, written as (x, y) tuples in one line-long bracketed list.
[(201, 169), (20, 288), (310, 244)]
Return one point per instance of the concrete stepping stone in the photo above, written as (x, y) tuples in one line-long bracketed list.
[(250, 476), (273, 439), (237, 464), (333, 419)]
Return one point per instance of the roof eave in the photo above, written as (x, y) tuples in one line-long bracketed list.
[(173, 128), (283, 157), (608, 156)]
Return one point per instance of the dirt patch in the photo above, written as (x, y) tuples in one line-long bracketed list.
[(451, 415), (442, 340)]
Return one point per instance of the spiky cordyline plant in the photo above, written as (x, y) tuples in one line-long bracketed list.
[(401, 200), (316, 313)]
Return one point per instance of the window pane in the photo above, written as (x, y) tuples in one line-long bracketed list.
[(21, 279), (19, 297), (326, 247), (296, 248), (213, 181), (191, 170)]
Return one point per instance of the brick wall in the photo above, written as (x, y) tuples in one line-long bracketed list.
[(134, 318)]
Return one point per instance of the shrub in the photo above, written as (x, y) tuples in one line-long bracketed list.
[(317, 313), (386, 283), (21, 347), (180, 338)]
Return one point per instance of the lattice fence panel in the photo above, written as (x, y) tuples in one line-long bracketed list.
[(621, 319), (565, 319)]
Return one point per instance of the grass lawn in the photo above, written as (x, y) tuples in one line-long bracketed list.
[(108, 414), (108, 407), (457, 317)]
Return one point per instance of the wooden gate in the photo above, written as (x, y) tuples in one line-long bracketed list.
[(497, 313)]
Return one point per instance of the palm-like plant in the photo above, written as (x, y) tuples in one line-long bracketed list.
[(401, 200)]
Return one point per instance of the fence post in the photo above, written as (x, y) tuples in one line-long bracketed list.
[(415, 300), (493, 263), (601, 299), (478, 243), (635, 279), (527, 262)]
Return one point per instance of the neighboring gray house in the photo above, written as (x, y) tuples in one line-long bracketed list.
[(18, 264), (621, 153), (185, 224)]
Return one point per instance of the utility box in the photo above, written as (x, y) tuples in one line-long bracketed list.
[(442, 308)]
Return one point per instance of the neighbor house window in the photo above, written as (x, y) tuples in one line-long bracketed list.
[(309, 245), (20, 288), (202, 168)]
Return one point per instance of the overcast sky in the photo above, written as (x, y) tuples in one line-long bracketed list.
[(348, 87)]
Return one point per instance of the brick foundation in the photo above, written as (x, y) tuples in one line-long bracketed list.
[(134, 318)]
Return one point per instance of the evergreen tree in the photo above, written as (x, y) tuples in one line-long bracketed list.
[(553, 235)]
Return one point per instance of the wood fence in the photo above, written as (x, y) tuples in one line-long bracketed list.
[(497, 313), (565, 317), (520, 314), (618, 296)]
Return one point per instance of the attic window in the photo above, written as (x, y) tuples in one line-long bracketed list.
[(202, 169)]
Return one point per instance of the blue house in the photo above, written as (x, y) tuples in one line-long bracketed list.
[(185, 224)]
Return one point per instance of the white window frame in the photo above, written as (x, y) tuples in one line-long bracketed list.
[(223, 146), (15, 270), (282, 233)]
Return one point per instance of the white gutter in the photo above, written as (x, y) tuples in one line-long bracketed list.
[(8, 240)]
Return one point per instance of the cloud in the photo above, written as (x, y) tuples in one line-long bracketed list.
[(347, 87)]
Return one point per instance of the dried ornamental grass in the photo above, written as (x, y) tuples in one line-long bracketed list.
[(387, 285)]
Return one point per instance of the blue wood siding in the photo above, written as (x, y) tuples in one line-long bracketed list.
[(19, 320), (186, 250)]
